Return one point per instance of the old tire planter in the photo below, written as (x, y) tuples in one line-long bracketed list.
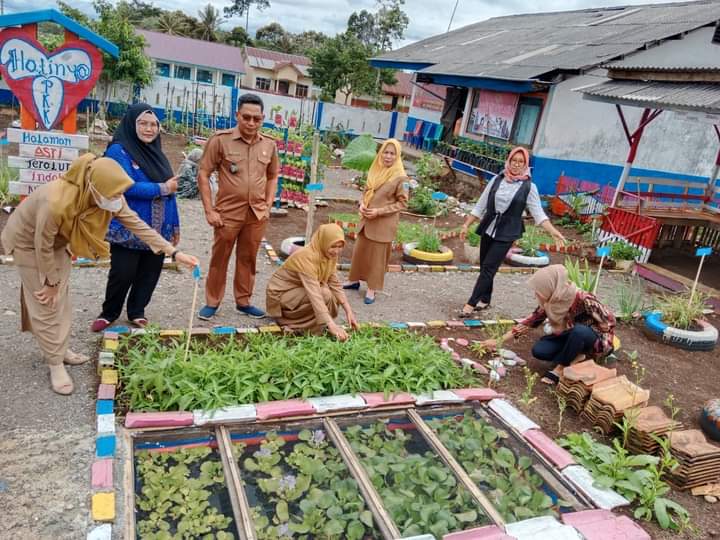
[(516, 258), (291, 245), (415, 256), (690, 340), (710, 419)]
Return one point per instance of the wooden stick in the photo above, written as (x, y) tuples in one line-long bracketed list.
[(697, 278), (238, 499), (597, 278), (192, 315)]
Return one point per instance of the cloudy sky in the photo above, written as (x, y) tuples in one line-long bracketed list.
[(427, 17)]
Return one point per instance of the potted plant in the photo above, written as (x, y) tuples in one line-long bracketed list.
[(527, 252), (428, 249), (623, 255), (679, 321), (472, 247)]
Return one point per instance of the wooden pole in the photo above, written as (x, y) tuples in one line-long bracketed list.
[(697, 278), (313, 180), (597, 278)]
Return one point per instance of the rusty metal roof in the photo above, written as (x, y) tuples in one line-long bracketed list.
[(692, 97), (531, 46)]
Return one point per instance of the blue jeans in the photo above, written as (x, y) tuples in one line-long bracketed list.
[(564, 348)]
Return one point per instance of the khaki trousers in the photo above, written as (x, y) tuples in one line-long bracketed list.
[(245, 238)]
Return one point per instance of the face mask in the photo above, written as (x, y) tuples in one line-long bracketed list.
[(110, 205)]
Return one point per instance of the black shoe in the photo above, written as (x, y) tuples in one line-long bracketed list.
[(352, 286)]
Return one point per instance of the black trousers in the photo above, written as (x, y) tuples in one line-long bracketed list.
[(564, 348), (492, 254), (133, 270)]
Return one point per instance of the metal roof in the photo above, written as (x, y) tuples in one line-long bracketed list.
[(530, 46), (692, 97), (273, 60), (192, 51)]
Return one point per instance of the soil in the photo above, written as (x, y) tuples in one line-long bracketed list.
[(686, 264), (4, 216)]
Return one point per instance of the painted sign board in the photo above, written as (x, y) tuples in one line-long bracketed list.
[(47, 165), (41, 151), (22, 188), (48, 138), (49, 85), (38, 177)]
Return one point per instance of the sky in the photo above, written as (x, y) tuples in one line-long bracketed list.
[(427, 17)]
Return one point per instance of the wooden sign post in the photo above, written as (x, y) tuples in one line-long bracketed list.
[(602, 252), (313, 186), (702, 253)]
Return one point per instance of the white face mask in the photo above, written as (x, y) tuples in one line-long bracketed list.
[(110, 205)]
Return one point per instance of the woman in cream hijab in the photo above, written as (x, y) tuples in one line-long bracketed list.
[(305, 292), (582, 327), (69, 216), (384, 198)]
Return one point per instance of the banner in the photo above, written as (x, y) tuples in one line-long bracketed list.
[(492, 113), (426, 100)]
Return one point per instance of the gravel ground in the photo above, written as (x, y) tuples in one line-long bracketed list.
[(48, 440)]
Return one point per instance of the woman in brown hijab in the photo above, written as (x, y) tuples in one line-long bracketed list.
[(581, 325), (69, 216), (305, 292)]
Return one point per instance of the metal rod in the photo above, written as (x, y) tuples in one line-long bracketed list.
[(384, 522), (241, 508), (433, 440)]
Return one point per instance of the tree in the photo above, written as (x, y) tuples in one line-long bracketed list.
[(238, 37), (362, 26), (174, 23), (142, 13), (240, 7), (209, 23), (306, 41), (379, 30), (275, 37), (74, 14)]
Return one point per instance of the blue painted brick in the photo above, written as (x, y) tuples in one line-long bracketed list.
[(398, 325), (105, 446), (104, 406), (473, 322), (119, 329), (224, 330)]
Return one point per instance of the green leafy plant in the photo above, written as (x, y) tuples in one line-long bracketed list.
[(635, 477), (419, 491), (173, 501), (583, 278), (630, 301), (428, 169), (622, 251), (7, 174), (421, 201), (531, 240), (263, 367), (678, 311), (473, 239), (509, 481), (562, 406), (429, 240), (360, 153), (530, 380), (345, 217)]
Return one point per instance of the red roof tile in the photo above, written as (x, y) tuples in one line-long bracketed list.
[(278, 56), (193, 51), (403, 86)]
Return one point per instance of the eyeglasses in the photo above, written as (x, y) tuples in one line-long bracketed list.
[(251, 118)]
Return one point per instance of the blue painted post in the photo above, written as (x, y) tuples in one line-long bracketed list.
[(318, 114), (702, 253), (234, 95), (393, 125), (280, 178)]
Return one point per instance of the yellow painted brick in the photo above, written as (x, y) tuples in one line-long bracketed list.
[(270, 328), (436, 324), (111, 344), (109, 376), (171, 333), (437, 268), (103, 506)]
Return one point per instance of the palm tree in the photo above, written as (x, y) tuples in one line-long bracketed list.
[(172, 23), (210, 21)]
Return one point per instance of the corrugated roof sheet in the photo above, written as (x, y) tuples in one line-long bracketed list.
[(193, 51), (531, 45), (274, 56), (700, 97)]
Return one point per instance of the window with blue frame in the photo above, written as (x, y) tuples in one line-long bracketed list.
[(183, 72), (204, 76), (162, 69), (526, 120), (228, 79)]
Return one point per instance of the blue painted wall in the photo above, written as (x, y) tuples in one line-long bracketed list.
[(546, 171)]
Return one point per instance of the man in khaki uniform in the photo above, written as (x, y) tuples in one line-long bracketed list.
[(247, 167)]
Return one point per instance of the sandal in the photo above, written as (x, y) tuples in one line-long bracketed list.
[(99, 324), (481, 308), (550, 378), (140, 322), (60, 381)]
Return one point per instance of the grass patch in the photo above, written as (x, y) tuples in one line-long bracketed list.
[(262, 367)]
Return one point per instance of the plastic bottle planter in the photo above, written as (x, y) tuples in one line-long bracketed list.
[(690, 340), (516, 258), (472, 253), (710, 419), (415, 256), (291, 244)]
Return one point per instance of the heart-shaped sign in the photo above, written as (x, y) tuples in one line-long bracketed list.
[(49, 85)]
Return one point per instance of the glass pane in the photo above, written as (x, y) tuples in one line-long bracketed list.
[(228, 79), (204, 75), (298, 486), (181, 491), (420, 492), (162, 69), (526, 123)]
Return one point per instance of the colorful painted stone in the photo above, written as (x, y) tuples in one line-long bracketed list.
[(710, 419)]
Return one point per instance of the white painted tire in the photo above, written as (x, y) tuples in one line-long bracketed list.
[(516, 257), (690, 340), (291, 244)]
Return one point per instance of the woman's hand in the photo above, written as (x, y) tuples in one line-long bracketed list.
[(175, 239), (172, 184), (186, 260), (352, 321), (337, 331), (371, 213), (559, 239), (47, 296), (489, 344), (464, 231)]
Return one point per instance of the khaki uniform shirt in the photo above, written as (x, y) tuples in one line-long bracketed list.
[(243, 173), (390, 199)]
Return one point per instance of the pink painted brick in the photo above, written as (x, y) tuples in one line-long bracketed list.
[(615, 528), (490, 532), (102, 473), (377, 399), (158, 419), (111, 335), (560, 457), (586, 516), (281, 409), (477, 394), (455, 323), (106, 391), (462, 342), (394, 268)]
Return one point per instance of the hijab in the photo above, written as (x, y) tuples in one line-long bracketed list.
[(557, 291), (73, 206), (379, 173), (312, 260), (525, 174), (148, 156)]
